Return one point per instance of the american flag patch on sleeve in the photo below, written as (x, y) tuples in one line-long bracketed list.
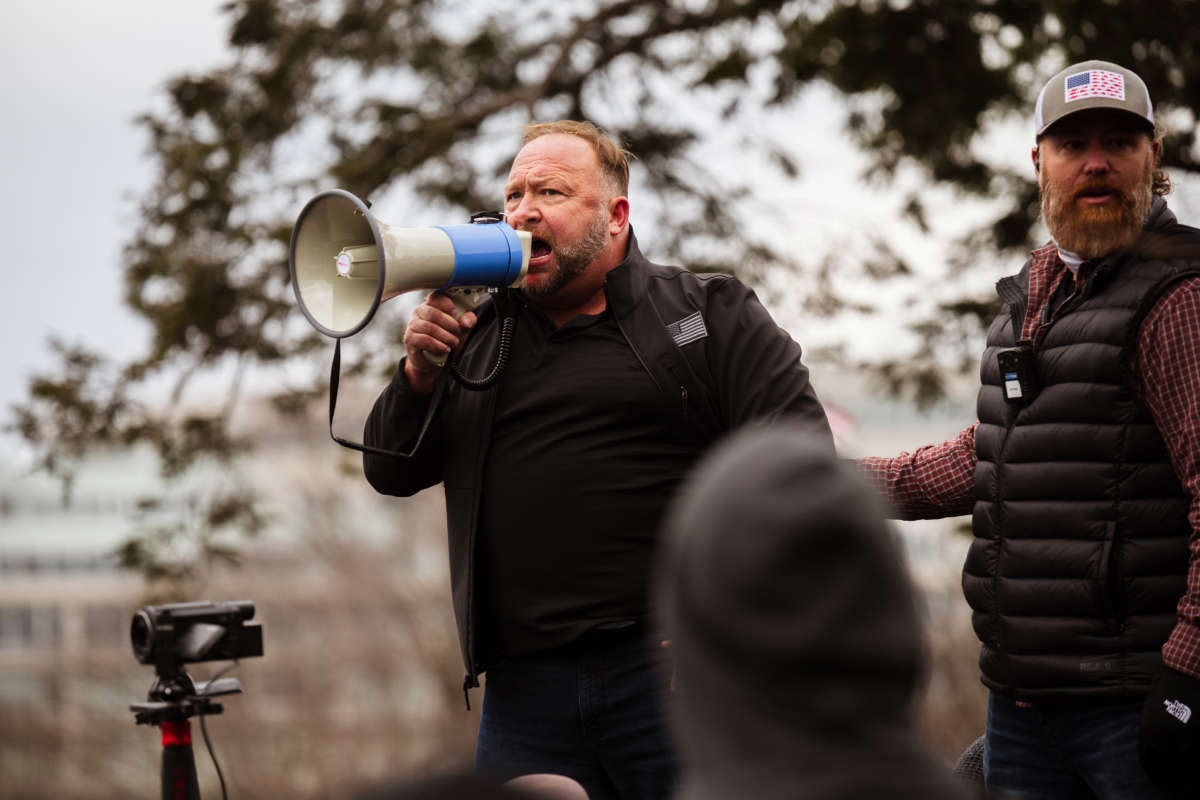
[(688, 329), (1095, 83)]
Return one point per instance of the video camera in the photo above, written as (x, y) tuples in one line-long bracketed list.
[(183, 633)]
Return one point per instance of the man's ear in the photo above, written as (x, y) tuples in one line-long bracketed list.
[(1037, 159), (618, 214)]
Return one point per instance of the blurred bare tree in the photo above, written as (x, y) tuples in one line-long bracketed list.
[(370, 94)]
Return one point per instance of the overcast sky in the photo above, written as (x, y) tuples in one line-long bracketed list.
[(73, 75)]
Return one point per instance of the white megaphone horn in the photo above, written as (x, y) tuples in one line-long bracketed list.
[(344, 262)]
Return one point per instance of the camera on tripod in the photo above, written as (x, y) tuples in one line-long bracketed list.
[(169, 637), (184, 633)]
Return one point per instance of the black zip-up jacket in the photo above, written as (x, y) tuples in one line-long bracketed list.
[(744, 368)]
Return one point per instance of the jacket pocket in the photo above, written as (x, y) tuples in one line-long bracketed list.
[(1107, 582)]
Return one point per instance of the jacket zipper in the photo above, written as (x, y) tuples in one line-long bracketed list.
[(638, 355), (683, 392), (471, 679), (1010, 292)]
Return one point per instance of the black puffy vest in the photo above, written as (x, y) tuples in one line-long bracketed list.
[(1080, 550)]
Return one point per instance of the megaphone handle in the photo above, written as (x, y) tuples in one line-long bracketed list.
[(466, 298), (335, 372)]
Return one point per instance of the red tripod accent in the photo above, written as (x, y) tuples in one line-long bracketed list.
[(178, 761), (174, 699)]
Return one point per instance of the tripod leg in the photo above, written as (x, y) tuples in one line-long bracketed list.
[(178, 763)]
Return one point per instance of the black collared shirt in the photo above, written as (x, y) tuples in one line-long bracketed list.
[(581, 465)]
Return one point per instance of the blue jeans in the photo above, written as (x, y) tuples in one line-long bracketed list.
[(593, 711), (1066, 751)]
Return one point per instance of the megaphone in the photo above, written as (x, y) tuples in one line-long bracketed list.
[(344, 262)]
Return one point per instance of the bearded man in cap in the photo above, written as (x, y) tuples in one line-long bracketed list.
[(1082, 473)]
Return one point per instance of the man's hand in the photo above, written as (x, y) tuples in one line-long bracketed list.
[(1169, 743), (432, 328)]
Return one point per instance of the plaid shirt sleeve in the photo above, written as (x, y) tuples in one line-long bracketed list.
[(932, 482), (1167, 373)]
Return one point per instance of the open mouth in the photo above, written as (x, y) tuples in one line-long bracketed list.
[(540, 249), (1095, 193)]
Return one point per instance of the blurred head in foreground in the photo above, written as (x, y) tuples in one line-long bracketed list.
[(469, 785), (794, 630)]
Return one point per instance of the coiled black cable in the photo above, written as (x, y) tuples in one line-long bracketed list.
[(507, 325)]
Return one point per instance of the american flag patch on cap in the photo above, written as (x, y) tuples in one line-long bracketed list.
[(1095, 83), (688, 329)]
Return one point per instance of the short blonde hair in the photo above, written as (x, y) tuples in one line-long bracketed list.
[(614, 159)]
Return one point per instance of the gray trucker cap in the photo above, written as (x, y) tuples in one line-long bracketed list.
[(1092, 84)]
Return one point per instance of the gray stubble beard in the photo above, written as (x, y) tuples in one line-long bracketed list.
[(572, 260)]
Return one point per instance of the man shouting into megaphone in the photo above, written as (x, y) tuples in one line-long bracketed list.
[(622, 373)]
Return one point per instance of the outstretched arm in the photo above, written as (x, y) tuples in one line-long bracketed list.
[(934, 481)]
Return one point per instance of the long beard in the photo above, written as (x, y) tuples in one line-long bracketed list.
[(571, 260), (1094, 232)]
